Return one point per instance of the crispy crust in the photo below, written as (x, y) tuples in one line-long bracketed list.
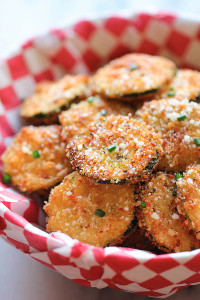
[(188, 199), (178, 136), (117, 80), (72, 205), (138, 150), (186, 84), (50, 98), (30, 174), (160, 220), (82, 114)]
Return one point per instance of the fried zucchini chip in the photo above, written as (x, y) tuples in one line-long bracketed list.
[(133, 77), (158, 217), (177, 121), (82, 114), (188, 197), (137, 240), (90, 212), (117, 149), (36, 158), (50, 98), (186, 84)]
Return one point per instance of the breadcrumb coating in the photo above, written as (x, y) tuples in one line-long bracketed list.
[(160, 219), (117, 149), (50, 98), (92, 213), (186, 84), (178, 123), (36, 158), (133, 77), (188, 199), (79, 116)]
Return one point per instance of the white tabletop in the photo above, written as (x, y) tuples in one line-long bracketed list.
[(21, 278)]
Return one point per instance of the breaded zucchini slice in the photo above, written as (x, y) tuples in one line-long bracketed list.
[(136, 239), (133, 77), (50, 98), (188, 197), (82, 114), (90, 212), (177, 121), (158, 217), (117, 149), (36, 158), (186, 84)]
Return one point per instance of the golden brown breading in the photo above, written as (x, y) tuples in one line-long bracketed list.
[(186, 84), (50, 98), (133, 77), (82, 114), (177, 121), (92, 213), (36, 158), (117, 149), (188, 199), (158, 216)]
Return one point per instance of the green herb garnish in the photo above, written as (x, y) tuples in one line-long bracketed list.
[(90, 99), (197, 141), (99, 213), (133, 67), (175, 72), (6, 178), (103, 112), (182, 118), (111, 148), (171, 94), (36, 154), (143, 204), (178, 175)]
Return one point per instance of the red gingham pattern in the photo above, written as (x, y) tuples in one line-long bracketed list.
[(83, 48)]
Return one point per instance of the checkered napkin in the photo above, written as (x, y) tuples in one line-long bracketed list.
[(84, 47)]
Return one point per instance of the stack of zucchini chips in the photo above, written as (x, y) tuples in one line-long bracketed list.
[(117, 154)]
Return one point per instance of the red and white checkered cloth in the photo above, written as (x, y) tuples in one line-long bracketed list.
[(83, 47)]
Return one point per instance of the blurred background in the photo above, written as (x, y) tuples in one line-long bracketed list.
[(20, 277), (20, 19)]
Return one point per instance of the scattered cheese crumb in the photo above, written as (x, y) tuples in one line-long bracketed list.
[(155, 216)]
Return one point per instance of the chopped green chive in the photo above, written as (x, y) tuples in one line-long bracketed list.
[(175, 72), (143, 204), (182, 118), (84, 146), (99, 213), (103, 112), (90, 99), (171, 94), (133, 67), (192, 248), (35, 154), (178, 175), (6, 178), (197, 142), (111, 148), (171, 88)]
